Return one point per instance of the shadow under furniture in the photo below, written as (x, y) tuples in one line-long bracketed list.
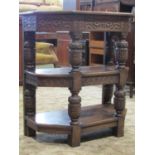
[(77, 119)]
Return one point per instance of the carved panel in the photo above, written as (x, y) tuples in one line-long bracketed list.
[(106, 23), (53, 82), (99, 80), (55, 23), (80, 22), (51, 22), (29, 23), (106, 26)]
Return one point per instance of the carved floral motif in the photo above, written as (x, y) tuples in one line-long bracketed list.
[(74, 22), (29, 23), (106, 26)]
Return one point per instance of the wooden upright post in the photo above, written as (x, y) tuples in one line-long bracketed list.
[(29, 91), (74, 106), (119, 100)]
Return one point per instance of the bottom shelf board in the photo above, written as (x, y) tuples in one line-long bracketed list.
[(91, 118)]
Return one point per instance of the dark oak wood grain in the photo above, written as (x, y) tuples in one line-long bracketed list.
[(77, 120)]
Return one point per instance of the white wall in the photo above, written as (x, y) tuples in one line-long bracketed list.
[(69, 5)]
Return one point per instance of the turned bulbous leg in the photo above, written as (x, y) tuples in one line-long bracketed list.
[(74, 106), (119, 99), (119, 104)]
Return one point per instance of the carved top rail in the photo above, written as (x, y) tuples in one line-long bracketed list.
[(76, 21)]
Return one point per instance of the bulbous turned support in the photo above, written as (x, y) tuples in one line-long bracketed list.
[(74, 106), (75, 50), (119, 100), (122, 51), (110, 48), (119, 105), (74, 109), (29, 91)]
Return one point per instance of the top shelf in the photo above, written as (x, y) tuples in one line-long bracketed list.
[(43, 21)]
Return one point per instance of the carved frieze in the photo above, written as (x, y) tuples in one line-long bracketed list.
[(106, 23), (106, 26), (53, 82), (54, 23), (99, 80), (75, 22)]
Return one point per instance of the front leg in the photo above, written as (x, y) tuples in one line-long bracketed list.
[(29, 91), (74, 107), (119, 100)]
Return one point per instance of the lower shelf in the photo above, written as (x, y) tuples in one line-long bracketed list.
[(92, 118)]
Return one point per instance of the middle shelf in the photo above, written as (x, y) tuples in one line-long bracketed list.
[(62, 77)]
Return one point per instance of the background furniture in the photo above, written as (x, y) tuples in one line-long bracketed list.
[(85, 5), (41, 37), (129, 6), (45, 54), (115, 6), (97, 41), (63, 39), (99, 5), (39, 5), (77, 120)]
